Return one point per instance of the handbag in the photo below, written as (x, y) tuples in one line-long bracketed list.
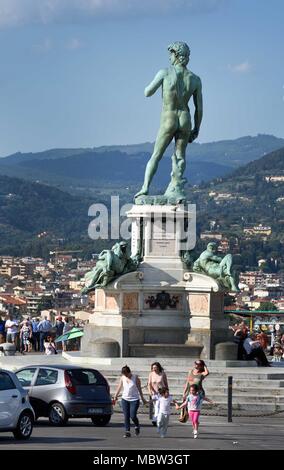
[(183, 415)]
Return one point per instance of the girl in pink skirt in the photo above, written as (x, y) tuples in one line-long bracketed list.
[(194, 402)]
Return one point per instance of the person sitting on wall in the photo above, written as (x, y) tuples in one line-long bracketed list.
[(254, 350), (240, 334)]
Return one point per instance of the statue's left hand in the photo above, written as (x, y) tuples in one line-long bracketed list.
[(193, 135)]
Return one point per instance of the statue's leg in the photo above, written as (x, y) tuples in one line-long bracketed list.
[(176, 186), (181, 144), (226, 272), (226, 265), (164, 138), (234, 287)]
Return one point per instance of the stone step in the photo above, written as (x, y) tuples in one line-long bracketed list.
[(242, 383), (165, 350), (212, 391), (220, 375), (209, 382), (140, 362), (248, 395), (220, 408), (262, 407), (247, 399)]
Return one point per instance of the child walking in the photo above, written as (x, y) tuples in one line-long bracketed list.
[(194, 402), (163, 406)]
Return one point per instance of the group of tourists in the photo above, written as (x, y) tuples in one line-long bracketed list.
[(35, 334), (277, 345), (160, 399), (251, 346)]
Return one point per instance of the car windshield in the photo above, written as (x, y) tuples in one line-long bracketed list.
[(86, 377)]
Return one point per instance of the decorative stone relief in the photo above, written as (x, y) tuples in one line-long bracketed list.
[(130, 301), (198, 304)]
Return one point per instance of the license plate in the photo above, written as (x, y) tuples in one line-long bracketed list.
[(95, 411)]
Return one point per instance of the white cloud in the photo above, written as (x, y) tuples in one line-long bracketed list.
[(16, 12), (74, 44), (243, 67), (44, 46)]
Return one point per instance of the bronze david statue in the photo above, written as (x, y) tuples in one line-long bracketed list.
[(178, 85)]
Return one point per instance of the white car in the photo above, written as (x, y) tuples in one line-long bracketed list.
[(16, 413)]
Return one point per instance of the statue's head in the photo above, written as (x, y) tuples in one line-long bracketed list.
[(123, 245), (179, 53), (212, 246), (119, 248)]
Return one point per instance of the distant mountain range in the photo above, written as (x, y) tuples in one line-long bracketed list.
[(28, 209), (125, 164)]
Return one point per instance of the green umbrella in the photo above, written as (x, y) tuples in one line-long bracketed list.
[(74, 333)]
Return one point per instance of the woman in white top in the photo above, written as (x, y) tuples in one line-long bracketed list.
[(49, 346), (131, 386)]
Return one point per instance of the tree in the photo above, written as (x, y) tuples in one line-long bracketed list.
[(46, 303), (267, 306)]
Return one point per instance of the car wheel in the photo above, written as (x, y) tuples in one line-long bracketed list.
[(25, 426), (101, 420), (57, 415)]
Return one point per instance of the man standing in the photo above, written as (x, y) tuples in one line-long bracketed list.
[(2, 331), (36, 334), (44, 328), (178, 85), (59, 325), (11, 327)]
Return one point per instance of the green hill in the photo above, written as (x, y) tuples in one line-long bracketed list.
[(27, 210), (268, 165), (243, 200)]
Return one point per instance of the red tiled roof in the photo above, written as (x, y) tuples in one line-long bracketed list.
[(10, 299)]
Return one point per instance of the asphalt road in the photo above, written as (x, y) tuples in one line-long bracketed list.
[(215, 433)]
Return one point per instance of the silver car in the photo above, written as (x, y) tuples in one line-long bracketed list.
[(60, 392), (16, 413)]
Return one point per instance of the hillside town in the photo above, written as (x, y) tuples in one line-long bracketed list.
[(34, 287)]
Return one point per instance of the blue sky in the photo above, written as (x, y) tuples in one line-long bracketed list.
[(73, 72)]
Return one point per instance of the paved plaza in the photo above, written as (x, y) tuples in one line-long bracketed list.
[(261, 433)]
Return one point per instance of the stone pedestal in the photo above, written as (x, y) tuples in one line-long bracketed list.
[(157, 232), (9, 349), (161, 310), (208, 323), (226, 351)]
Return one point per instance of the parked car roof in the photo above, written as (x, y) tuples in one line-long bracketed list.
[(55, 366)]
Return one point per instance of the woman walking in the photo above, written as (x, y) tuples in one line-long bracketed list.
[(157, 379), (49, 346), (196, 377), (25, 336), (131, 386)]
